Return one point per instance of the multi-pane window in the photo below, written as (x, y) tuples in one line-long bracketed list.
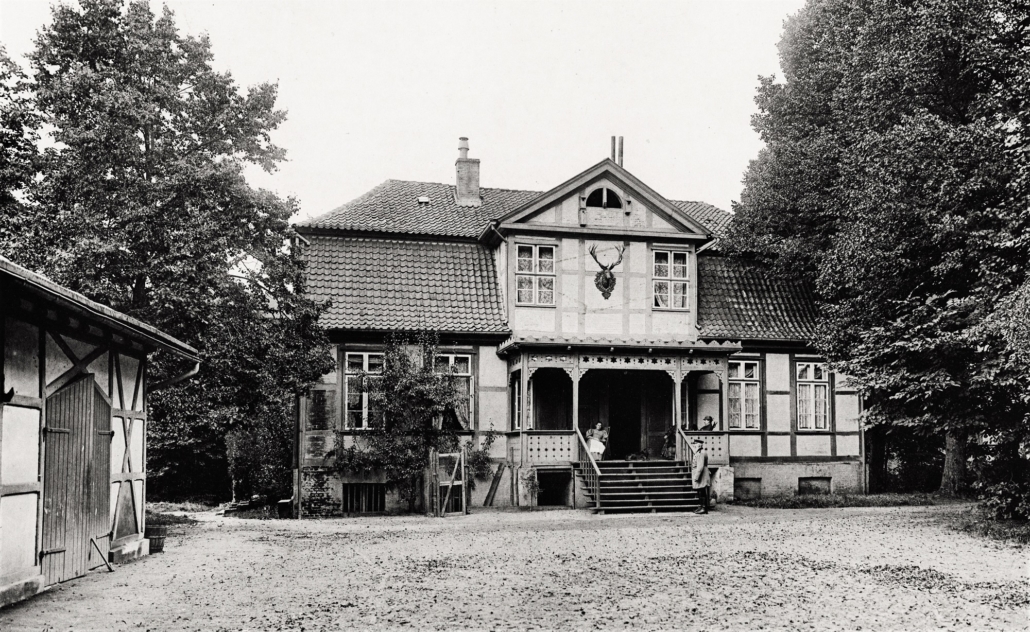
[(460, 367), (534, 275), (670, 279), (516, 400), (360, 369), (813, 382), (744, 388)]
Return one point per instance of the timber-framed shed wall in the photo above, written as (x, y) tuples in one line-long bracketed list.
[(72, 432)]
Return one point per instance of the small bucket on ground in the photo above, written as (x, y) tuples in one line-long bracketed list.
[(156, 535)]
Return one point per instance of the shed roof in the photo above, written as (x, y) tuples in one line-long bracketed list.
[(394, 284), (739, 301), (123, 323), (394, 207)]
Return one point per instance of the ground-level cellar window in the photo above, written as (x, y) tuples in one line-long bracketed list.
[(554, 488), (364, 498)]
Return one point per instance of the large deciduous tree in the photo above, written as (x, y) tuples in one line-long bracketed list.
[(143, 205), (894, 180)]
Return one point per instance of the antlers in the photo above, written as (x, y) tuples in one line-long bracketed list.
[(593, 253)]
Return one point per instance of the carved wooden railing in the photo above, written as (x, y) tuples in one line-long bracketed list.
[(591, 473), (683, 450), (549, 446), (716, 443)]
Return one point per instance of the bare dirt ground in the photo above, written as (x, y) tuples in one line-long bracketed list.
[(736, 569)]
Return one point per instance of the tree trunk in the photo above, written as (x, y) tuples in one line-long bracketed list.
[(953, 479)]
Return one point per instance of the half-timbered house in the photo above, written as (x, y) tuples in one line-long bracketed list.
[(598, 301), (73, 427)]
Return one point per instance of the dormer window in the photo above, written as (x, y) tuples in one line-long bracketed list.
[(604, 198)]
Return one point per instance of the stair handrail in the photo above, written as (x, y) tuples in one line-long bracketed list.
[(591, 478), (688, 451)]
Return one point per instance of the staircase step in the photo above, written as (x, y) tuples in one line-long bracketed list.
[(646, 508)]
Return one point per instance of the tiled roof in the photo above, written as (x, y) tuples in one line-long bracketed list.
[(741, 302), (711, 217), (405, 285), (393, 207)]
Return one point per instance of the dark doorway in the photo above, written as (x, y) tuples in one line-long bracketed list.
[(552, 399), (635, 407), (554, 488)]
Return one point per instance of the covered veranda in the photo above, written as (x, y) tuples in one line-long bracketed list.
[(652, 400)]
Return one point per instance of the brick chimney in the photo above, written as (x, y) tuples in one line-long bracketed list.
[(467, 192)]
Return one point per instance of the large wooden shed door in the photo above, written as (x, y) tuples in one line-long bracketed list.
[(77, 472)]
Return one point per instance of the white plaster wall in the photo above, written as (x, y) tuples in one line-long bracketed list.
[(605, 324), (777, 415), (778, 445), (533, 319), (570, 255), (493, 413), (637, 324), (777, 372), (813, 445), (570, 322), (847, 445), (745, 445), (846, 412), (639, 258), (672, 323), (493, 371), (546, 216)]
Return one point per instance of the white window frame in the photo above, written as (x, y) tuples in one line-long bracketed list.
[(451, 357), (347, 375), (744, 420), (671, 279), (538, 276), (811, 409), (515, 407)]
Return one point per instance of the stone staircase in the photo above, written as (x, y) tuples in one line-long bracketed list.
[(642, 487)]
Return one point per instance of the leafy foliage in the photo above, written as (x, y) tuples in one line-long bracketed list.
[(412, 410), (142, 204), (894, 180)]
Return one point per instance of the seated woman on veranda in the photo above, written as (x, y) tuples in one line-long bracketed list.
[(597, 437)]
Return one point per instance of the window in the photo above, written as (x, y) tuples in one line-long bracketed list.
[(744, 387), (516, 400), (359, 368), (534, 275), (813, 393), (670, 279), (604, 198), (460, 366)]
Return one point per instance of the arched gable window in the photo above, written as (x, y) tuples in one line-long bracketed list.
[(604, 198)]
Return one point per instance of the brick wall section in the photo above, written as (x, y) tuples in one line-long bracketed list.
[(781, 479), (317, 497)]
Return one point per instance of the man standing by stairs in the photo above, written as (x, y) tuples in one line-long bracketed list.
[(701, 478)]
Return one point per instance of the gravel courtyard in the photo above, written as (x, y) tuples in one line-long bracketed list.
[(736, 569)]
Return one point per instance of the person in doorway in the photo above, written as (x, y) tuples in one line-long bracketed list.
[(709, 423), (597, 440), (701, 477)]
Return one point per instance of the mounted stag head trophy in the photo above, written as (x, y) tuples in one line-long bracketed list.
[(605, 279)]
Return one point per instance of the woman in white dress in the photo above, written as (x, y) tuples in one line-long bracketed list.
[(597, 437)]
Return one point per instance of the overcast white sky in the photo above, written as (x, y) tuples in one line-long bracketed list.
[(379, 90)]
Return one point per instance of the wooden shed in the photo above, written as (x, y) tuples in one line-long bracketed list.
[(72, 432)]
